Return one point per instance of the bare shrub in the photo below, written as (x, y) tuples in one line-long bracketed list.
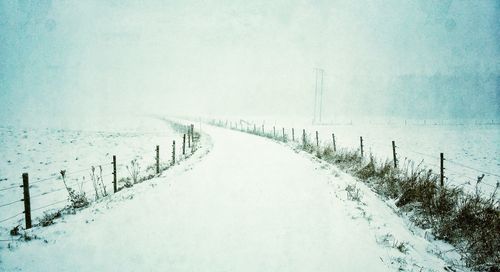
[(78, 199), (133, 169), (98, 183), (353, 193), (471, 222), (49, 217), (401, 246)]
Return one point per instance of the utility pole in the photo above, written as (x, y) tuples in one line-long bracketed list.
[(315, 94), (318, 94), (321, 97)]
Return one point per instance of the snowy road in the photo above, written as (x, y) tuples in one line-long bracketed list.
[(248, 205)]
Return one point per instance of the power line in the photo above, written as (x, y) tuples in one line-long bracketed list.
[(321, 97), (318, 94), (315, 95)]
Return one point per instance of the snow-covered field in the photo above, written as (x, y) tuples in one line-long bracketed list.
[(249, 205), (44, 152), (470, 150)]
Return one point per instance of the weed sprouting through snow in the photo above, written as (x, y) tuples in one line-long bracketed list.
[(133, 169), (49, 217), (77, 198), (353, 193), (98, 183), (471, 222)]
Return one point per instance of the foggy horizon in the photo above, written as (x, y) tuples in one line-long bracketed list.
[(66, 60), (200, 135)]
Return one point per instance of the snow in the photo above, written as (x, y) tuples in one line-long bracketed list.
[(243, 203), (470, 149), (43, 152)]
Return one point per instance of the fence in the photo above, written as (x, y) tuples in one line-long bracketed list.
[(447, 174), (435, 202), (77, 191)]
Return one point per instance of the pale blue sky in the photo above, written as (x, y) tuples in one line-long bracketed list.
[(405, 58)]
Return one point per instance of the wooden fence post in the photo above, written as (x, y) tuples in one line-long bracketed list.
[(115, 188), (304, 138), (334, 144), (274, 132), (394, 154), (173, 152), (361, 144), (263, 131), (293, 134), (283, 134), (441, 155), (189, 138), (317, 139), (157, 159), (254, 128), (192, 133), (26, 199), (184, 144)]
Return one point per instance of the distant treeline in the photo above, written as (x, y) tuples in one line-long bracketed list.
[(412, 96), (452, 96)]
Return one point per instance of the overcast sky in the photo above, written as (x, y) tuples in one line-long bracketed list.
[(385, 58)]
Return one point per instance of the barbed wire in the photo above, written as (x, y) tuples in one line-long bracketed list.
[(10, 203), (104, 164), (10, 217), (431, 165), (487, 184), (448, 160), (10, 188), (11, 240), (455, 174), (58, 176), (66, 174), (377, 142), (107, 175), (53, 177), (467, 184), (419, 153), (69, 185), (47, 193), (461, 174), (472, 168), (48, 205), (372, 143)]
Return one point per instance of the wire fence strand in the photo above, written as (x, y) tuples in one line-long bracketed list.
[(10, 217), (419, 153), (48, 205), (47, 193), (53, 177), (10, 203), (11, 240), (56, 176), (472, 168), (10, 188)]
